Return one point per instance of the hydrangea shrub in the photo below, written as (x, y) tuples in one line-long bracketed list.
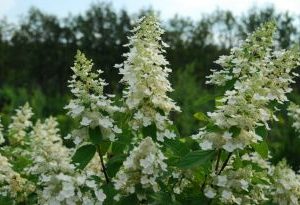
[(126, 150)]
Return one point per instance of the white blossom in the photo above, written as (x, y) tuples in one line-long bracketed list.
[(286, 189), (144, 165), (21, 122), (59, 182), (145, 72), (259, 76), (12, 184), (89, 104)]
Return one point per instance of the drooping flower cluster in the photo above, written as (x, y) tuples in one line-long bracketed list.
[(144, 165), (260, 76), (90, 105), (145, 74), (286, 187), (12, 185), (60, 183), (21, 122), (294, 113)]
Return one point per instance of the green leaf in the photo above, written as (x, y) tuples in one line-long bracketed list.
[(128, 200), (261, 131), (150, 131), (196, 158), (262, 149), (218, 102), (110, 192), (235, 131), (114, 164), (6, 200), (178, 147), (238, 163), (229, 84), (211, 127), (201, 117), (83, 156), (104, 146), (95, 135)]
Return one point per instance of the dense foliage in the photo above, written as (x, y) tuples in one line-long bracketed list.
[(126, 149)]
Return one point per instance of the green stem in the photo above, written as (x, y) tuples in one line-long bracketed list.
[(102, 164), (218, 160), (225, 163)]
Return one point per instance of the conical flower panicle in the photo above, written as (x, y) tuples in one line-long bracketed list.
[(258, 80), (59, 181), (90, 105), (21, 122), (243, 60), (145, 72)]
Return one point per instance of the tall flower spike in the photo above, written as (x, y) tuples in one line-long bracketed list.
[(145, 72), (21, 122), (260, 76), (60, 182), (90, 105)]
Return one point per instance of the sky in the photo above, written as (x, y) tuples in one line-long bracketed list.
[(15, 9)]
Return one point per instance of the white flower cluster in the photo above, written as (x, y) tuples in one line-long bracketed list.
[(144, 165), (21, 122), (2, 140), (286, 188), (260, 76), (11, 183), (294, 113), (59, 182), (145, 73), (238, 187), (246, 184), (49, 154), (90, 105)]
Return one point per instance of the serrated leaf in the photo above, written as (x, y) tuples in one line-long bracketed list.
[(196, 158), (201, 117), (83, 156), (262, 149)]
